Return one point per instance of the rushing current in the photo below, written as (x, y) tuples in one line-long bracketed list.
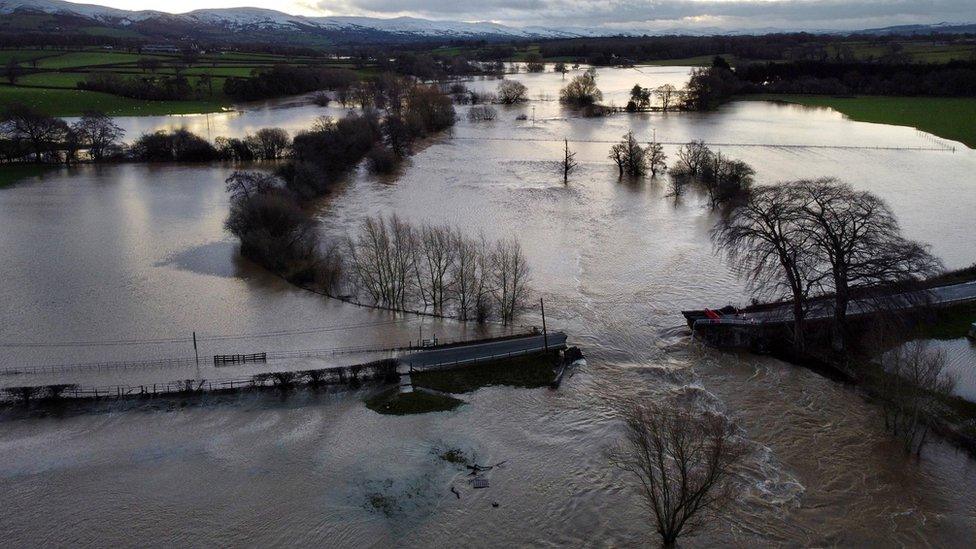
[(124, 262)]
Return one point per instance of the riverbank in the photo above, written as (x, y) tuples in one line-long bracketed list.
[(949, 117), (12, 173)]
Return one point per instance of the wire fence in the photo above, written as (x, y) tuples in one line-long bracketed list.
[(190, 361), (941, 147)]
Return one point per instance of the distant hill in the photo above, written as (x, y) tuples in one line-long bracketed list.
[(943, 28), (254, 24), (263, 25)]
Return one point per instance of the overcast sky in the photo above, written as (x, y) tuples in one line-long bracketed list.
[(639, 14)]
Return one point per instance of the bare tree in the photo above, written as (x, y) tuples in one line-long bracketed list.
[(269, 143), (656, 158), (511, 92), (569, 163), (511, 279), (245, 185), (482, 113), (464, 274), (629, 156), (436, 255), (98, 132), (560, 68), (42, 133), (766, 237), (724, 178), (666, 95), (913, 381), (860, 243), (382, 260), (692, 159), (683, 463)]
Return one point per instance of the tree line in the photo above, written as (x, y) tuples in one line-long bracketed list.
[(27, 135), (438, 269), (952, 79), (281, 80), (772, 47)]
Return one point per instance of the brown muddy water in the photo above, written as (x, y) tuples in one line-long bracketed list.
[(99, 258)]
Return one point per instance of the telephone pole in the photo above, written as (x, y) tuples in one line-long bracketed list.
[(545, 334)]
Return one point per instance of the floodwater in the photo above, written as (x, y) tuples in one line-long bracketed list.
[(96, 258)]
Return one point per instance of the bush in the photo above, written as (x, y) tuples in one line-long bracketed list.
[(581, 90), (482, 113), (176, 146), (321, 99), (511, 92), (382, 160)]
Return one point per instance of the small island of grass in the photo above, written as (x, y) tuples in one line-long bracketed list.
[(392, 402)]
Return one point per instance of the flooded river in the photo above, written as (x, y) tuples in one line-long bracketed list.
[(122, 262)]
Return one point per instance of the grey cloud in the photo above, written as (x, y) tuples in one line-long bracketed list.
[(593, 13)]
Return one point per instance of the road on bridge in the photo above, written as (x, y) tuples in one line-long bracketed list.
[(943, 295), (482, 351)]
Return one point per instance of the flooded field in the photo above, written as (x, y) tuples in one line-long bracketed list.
[(98, 259)]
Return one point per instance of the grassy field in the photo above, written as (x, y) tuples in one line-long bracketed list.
[(949, 117), (390, 402), (700, 61), (49, 79), (63, 102), (531, 371)]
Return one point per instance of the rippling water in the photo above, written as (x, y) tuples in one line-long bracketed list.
[(119, 252)]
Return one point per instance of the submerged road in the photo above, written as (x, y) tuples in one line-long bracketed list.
[(482, 351)]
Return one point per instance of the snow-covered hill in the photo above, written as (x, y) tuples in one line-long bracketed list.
[(251, 18)]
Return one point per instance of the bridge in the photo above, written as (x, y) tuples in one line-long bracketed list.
[(456, 355), (823, 308)]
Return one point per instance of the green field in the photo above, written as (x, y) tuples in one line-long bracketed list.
[(49, 79), (62, 102), (700, 61), (89, 58), (949, 117)]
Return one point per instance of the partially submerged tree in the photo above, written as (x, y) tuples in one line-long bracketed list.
[(692, 158), (582, 90), (511, 279), (533, 62), (269, 143), (41, 134), (859, 241), (766, 238), (656, 158), (913, 383), (569, 163), (511, 92), (640, 98), (98, 133), (683, 463), (667, 95), (629, 156)]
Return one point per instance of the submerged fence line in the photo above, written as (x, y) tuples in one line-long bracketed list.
[(190, 361), (943, 148), (378, 370)]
